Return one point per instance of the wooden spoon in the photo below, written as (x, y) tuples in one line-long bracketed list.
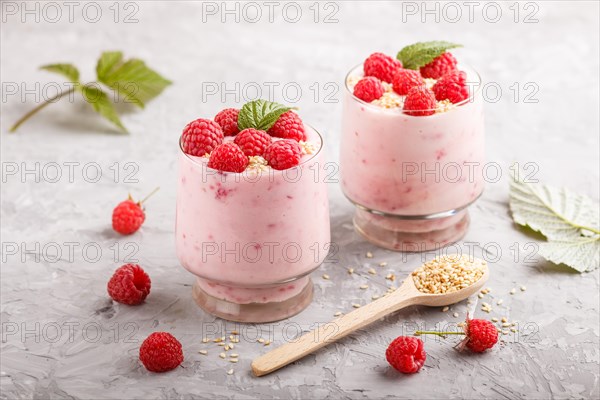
[(406, 295)]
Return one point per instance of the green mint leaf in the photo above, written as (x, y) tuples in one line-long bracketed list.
[(420, 54), (260, 114), (67, 70), (131, 79), (102, 104), (568, 220)]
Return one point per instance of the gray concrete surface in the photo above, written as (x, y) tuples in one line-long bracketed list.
[(62, 337)]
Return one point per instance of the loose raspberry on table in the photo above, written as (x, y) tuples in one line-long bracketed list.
[(406, 79), (228, 120), (406, 354), (201, 137), (161, 352), (369, 89), (253, 142), (288, 126), (481, 335), (452, 86), (440, 66), (419, 102), (381, 66), (283, 154), (129, 285), (228, 157), (128, 216)]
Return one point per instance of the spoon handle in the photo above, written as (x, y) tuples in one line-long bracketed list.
[(334, 330)]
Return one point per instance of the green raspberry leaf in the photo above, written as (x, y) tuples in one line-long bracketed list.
[(102, 104), (420, 54), (131, 79), (568, 220), (260, 114), (67, 70)]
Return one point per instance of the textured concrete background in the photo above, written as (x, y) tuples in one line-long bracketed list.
[(62, 337)]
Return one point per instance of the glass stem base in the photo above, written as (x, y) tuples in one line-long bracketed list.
[(253, 312), (411, 235)]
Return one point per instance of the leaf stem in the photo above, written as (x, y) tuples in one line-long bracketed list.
[(39, 107), (419, 333)]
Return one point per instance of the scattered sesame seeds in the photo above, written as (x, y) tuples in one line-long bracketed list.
[(226, 347), (363, 287), (356, 305), (444, 105), (337, 314), (222, 355), (372, 271), (308, 147), (445, 309), (448, 273), (326, 277), (203, 352), (369, 254), (455, 315)]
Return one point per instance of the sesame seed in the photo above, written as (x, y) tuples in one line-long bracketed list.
[(261, 340), (235, 333), (221, 344), (504, 332), (325, 276), (222, 355), (268, 342), (355, 305), (494, 319), (513, 291), (447, 274), (226, 347), (504, 319), (204, 352), (350, 271), (230, 372), (372, 271), (391, 277), (217, 340), (234, 355), (505, 325), (480, 296), (455, 315), (375, 297), (230, 337), (369, 254), (513, 330), (233, 360), (337, 314), (383, 264), (363, 287), (523, 288), (499, 302), (445, 309), (205, 340), (231, 346)]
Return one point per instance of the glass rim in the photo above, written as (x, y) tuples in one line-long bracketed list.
[(397, 109), (205, 164)]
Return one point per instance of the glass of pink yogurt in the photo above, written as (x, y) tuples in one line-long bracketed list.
[(252, 238), (412, 178)]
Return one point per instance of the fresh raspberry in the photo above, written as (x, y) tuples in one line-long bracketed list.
[(368, 89), (288, 126), (252, 141), (129, 285), (406, 354), (440, 66), (406, 79), (201, 137), (161, 352), (481, 335), (419, 102), (283, 154), (127, 217), (228, 157), (452, 86), (228, 120), (381, 66)]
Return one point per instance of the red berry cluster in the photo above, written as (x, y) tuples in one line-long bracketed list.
[(406, 353), (419, 101), (206, 137)]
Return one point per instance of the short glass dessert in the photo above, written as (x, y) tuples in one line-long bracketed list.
[(252, 238), (412, 176)]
